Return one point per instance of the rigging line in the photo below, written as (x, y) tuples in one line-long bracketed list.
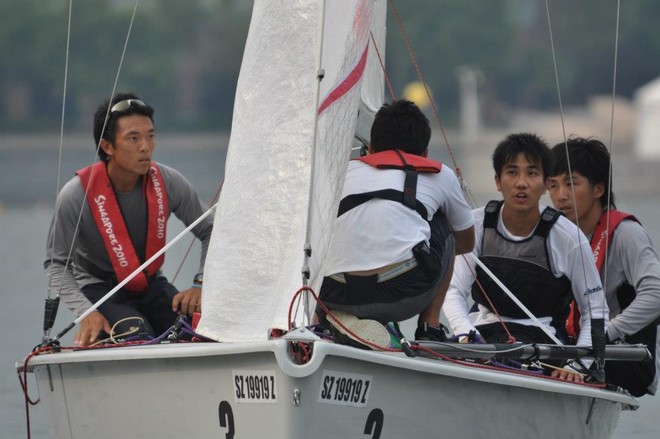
[(610, 171), (568, 160), (114, 85), (135, 272), (483, 291), (382, 66), (554, 63), (418, 70), (515, 299), (59, 158), (98, 147), (434, 109), (192, 241)]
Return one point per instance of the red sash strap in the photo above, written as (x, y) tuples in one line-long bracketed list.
[(600, 241), (391, 159), (110, 223)]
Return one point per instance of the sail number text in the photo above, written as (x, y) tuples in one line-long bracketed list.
[(345, 389), (254, 386)]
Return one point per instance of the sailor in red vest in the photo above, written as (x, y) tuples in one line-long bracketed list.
[(111, 217), (623, 252), (401, 219)]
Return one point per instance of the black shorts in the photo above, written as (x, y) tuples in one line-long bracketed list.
[(635, 376), (398, 298), (153, 306)]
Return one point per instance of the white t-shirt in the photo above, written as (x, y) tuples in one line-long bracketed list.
[(382, 232), (570, 255)]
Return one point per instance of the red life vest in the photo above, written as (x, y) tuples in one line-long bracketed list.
[(390, 159), (600, 241), (112, 227), (411, 164)]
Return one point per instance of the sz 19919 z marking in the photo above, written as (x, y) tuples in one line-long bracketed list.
[(345, 388), (257, 386)]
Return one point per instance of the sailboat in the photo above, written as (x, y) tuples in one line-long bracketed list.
[(310, 80)]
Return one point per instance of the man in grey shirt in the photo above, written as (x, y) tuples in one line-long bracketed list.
[(623, 252), (125, 199)]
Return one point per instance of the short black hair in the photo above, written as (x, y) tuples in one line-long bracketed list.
[(589, 157), (400, 125), (110, 130), (534, 148)]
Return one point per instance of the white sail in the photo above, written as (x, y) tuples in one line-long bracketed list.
[(374, 77), (255, 260)]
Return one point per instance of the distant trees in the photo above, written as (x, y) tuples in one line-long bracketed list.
[(509, 41), (184, 56)]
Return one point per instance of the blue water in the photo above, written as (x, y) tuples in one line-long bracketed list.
[(23, 229)]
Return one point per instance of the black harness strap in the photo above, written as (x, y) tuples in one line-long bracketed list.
[(408, 197), (409, 184), (355, 200), (548, 218), (490, 216)]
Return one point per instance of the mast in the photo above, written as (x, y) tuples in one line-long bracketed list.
[(307, 249)]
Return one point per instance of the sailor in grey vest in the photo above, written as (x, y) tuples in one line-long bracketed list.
[(528, 246)]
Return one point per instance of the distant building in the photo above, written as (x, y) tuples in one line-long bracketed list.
[(647, 107)]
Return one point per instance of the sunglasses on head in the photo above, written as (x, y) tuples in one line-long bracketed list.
[(126, 104)]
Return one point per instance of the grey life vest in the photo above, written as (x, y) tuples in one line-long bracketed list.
[(524, 267)]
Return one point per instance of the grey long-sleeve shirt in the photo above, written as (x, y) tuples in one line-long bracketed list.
[(631, 258), (88, 247)]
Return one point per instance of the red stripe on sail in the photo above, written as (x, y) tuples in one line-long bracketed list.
[(348, 83)]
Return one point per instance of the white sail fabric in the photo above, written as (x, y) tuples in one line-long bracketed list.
[(374, 77), (255, 259)]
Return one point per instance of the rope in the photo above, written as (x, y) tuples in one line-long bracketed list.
[(98, 147), (563, 128), (511, 338), (382, 66), (61, 147), (610, 177), (112, 336), (418, 70), (516, 300), (22, 379), (214, 200), (327, 311), (136, 271), (418, 348), (570, 171)]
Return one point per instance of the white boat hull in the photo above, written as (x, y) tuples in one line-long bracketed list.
[(211, 390)]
